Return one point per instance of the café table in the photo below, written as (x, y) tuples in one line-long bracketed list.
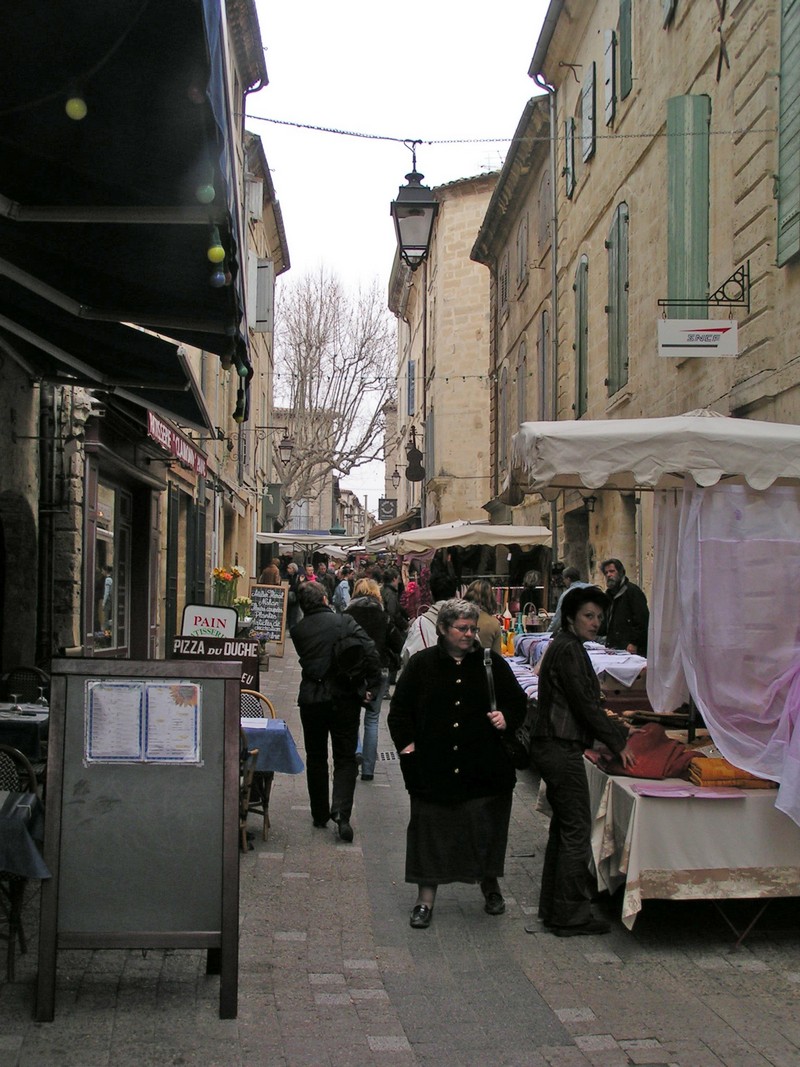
[(25, 729), (21, 831), (276, 748)]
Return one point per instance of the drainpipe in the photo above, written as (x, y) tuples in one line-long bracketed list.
[(44, 598), (543, 83)]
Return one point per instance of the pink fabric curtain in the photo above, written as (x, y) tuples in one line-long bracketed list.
[(725, 623)]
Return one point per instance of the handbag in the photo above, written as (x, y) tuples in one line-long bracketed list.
[(517, 743)]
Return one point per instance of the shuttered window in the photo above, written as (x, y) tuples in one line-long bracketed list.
[(543, 349), (617, 309), (502, 421), (502, 283), (411, 382), (569, 157), (688, 119), (610, 77), (588, 114), (625, 49), (789, 134), (581, 288), (522, 383)]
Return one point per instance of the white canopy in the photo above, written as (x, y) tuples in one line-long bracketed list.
[(466, 532), (650, 453)]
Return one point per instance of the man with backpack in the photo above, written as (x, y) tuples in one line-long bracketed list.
[(340, 669)]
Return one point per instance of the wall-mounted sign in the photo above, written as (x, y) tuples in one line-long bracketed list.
[(177, 446), (387, 509), (680, 338), (242, 648)]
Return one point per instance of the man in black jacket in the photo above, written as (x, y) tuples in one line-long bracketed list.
[(328, 707), (629, 616)]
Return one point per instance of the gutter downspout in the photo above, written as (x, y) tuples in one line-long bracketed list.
[(543, 83)]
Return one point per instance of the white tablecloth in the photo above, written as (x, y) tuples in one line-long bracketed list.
[(685, 848)]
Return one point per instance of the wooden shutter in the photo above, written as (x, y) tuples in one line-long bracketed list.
[(569, 157), (617, 309), (587, 114), (265, 293), (581, 288), (688, 120), (789, 134), (610, 76), (625, 49), (668, 11)]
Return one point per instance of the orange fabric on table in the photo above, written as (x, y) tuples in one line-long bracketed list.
[(706, 770)]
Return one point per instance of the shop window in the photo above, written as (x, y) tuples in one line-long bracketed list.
[(112, 551)]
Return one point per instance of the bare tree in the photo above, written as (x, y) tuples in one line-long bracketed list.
[(334, 371)]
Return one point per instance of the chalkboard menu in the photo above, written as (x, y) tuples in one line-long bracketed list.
[(268, 612)]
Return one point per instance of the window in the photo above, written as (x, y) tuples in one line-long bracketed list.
[(569, 157), (522, 252), (587, 115), (625, 49), (581, 288), (610, 76), (617, 245), (545, 212), (411, 382), (112, 566), (789, 134), (522, 383), (502, 283), (688, 119), (502, 420), (543, 349)]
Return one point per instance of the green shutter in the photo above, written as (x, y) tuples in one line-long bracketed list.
[(610, 76), (581, 337), (569, 157), (625, 49), (587, 114), (789, 134), (688, 120), (617, 309)]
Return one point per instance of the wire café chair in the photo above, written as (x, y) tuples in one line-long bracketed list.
[(16, 776), (254, 705)]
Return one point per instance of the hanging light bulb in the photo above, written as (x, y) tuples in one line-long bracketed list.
[(217, 279), (216, 253), (238, 414)]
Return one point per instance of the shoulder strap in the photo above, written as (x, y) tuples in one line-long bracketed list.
[(487, 662)]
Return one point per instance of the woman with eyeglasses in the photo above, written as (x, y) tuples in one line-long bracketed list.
[(454, 764)]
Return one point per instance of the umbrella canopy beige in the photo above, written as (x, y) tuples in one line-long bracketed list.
[(465, 532)]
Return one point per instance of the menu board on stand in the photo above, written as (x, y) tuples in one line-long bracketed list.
[(268, 615)]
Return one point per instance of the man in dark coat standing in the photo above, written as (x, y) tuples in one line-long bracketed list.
[(629, 616), (329, 708)]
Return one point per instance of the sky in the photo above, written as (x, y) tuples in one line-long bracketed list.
[(429, 72)]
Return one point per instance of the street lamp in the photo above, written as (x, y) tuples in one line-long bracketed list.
[(413, 212), (395, 478), (285, 445)]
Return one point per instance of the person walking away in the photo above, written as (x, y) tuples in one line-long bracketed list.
[(455, 766), (490, 632), (571, 578), (628, 616), (367, 609), (422, 633), (270, 574), (569, 718), (330, 709)]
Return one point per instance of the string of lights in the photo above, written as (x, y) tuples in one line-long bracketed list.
[(503, 140)]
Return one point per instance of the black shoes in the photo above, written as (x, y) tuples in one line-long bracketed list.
[(344, 828), (421, 916), (367, 777), (593, 927), (495, 905), (320, 823)]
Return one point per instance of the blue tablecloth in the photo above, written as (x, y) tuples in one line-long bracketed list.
[(276, 748), (21, 826)]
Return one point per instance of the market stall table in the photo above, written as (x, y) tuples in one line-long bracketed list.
[(695, 847)]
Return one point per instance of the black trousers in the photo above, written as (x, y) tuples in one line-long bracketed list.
[(566, 882), (339, 722)]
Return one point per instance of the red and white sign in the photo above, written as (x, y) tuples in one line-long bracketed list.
[(177, 446), (680, 338)]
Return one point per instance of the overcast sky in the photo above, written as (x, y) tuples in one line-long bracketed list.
[(435, 72)]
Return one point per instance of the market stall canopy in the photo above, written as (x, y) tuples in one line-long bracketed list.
[(466, 532), (651, 453), (109, 217)]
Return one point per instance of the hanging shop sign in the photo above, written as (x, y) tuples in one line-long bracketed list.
[(172, 442), (679, 338)]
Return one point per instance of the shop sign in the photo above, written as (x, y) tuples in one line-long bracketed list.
[(679, 338), (219, 648), (387, 508), (207, 620), (172, 442)]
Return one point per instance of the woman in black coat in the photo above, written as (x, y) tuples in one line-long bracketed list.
[(455, 766)]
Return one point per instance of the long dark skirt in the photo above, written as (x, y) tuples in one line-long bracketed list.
[(463, 842)]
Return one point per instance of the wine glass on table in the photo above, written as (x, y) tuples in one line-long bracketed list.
[(42, 701), (15, 705)]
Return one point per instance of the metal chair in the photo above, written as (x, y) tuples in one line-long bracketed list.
[(247, 762), (16, 776), (26, 683), (254, 705)]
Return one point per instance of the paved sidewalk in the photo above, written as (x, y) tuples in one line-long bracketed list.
[(331, 975)]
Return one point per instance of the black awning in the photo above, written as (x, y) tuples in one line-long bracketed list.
[(53, 345), (112, 216)]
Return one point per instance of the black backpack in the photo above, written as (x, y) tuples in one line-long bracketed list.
[(348, 669)]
